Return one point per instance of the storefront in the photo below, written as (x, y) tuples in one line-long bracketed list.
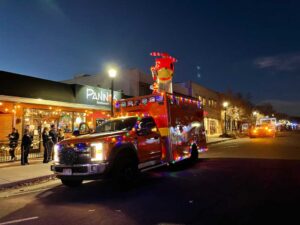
[(27, 102), (212, 126)]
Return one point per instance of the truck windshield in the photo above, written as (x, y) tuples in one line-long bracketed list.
[(117, 125)]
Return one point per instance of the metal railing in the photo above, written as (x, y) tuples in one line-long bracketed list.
[(5, 156)]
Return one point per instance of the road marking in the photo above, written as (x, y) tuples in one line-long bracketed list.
[(19, 220), (231, 146)]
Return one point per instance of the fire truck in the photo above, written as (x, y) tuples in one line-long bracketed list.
[(146, 132)]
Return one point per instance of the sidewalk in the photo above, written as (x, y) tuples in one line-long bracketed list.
[(18, 162), (16, 174), (216, 139)]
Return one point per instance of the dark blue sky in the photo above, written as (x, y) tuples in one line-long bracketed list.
[(247, 46)]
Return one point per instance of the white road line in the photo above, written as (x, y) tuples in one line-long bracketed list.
[(19, 220), (231, 146)]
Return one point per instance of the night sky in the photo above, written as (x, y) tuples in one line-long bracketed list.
[(246, 46)]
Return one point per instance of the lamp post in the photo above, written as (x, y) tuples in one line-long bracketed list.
[(225, 105), (112, 74), (255, 113)]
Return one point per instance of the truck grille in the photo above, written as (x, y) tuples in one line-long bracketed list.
[(72, 156)]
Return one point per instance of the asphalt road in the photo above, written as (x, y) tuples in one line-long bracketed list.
[(244, 181)]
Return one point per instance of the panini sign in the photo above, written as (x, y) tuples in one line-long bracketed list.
[(95, 96)]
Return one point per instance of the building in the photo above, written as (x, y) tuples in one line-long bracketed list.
[(37, 103), (131, 82), (211, 102), (126, 81)]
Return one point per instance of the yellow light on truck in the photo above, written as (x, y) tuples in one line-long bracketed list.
[(97, 151), (55, 158)]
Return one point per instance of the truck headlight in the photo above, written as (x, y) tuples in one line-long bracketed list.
[(96, 151), (56, 149)]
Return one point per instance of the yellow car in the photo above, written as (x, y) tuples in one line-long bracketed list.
[(262, 131)]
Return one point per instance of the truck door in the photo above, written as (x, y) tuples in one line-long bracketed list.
[(148, 141)]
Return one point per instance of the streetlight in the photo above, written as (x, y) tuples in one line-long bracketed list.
[(112, 74), (254, 113), (225, 105)]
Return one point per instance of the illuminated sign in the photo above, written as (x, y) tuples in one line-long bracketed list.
[(95, 96)]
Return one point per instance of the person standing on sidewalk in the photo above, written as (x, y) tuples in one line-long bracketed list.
[(13, 143), (54, 139), (46, 143), (25, 147)]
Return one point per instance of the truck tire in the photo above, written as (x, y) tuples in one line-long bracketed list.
[(71, 183), (194, 154), (125, 171)]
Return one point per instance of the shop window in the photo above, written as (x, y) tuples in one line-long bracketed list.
[(35, 120), (212, 127), (78, 119), (65, 121), (204, 101)]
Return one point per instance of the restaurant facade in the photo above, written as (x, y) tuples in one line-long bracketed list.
[(34, 103)]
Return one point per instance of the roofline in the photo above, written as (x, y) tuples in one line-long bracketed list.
[(38, 101)]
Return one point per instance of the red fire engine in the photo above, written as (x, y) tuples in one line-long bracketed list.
[(147, 132)]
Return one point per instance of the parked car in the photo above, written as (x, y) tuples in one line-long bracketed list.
[(262, 131)]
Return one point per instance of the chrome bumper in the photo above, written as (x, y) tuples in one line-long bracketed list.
[(79, 169)]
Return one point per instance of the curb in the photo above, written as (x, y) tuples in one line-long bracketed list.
[(26, 181), (216, 142)]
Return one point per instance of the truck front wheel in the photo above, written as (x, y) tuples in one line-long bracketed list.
[(125, 171), (71, 183)]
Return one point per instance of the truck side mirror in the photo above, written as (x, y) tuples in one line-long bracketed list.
[(143, 131)]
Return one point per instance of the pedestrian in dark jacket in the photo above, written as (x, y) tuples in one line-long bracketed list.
[(13, 143), (46, 143), (54, 138), (25, 147)]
